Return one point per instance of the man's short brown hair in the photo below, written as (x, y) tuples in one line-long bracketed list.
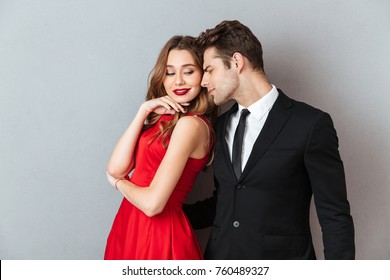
[(229, 37)]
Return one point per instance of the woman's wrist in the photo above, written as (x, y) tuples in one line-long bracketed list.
[(142, 114), (117, 181), (144, 110)]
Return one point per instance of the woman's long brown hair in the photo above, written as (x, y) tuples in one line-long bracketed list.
[(201, 105)]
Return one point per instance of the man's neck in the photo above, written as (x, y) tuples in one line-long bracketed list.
[(252, 89)]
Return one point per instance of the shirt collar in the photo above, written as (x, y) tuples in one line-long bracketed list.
[(263, 105)]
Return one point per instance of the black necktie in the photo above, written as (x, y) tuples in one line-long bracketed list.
[(237, 143)]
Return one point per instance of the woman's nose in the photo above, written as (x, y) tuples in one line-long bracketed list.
[(179, 80)]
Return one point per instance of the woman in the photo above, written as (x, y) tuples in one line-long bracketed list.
[(166, 146)]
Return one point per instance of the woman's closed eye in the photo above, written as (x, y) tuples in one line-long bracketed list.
[(190, 72)]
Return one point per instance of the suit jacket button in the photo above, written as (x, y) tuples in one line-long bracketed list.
[(236, 224), (239, 187)]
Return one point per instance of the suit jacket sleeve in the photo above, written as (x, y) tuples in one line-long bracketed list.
[(201, 214), (326, 172)]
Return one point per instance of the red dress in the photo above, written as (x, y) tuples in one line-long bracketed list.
[(168, 235)]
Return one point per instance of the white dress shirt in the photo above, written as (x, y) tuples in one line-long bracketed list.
[(254, 123)]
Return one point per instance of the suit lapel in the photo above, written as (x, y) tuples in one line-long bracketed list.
[(276, 119)]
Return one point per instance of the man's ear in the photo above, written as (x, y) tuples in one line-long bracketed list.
[(238, 61)]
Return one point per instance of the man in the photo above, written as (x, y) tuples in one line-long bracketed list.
[(289, 153)]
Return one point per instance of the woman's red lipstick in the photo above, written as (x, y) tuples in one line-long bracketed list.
[(181, 91)]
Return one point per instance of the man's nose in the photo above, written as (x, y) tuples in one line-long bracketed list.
[(204, 82)]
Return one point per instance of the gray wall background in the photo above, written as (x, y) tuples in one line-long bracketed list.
[(73, 73)]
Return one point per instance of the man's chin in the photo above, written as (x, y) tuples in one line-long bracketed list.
[(218, 102)]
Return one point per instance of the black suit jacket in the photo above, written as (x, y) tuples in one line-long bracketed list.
[(265, 213)]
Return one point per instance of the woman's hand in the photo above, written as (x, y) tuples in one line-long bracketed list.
[(164, 105)]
